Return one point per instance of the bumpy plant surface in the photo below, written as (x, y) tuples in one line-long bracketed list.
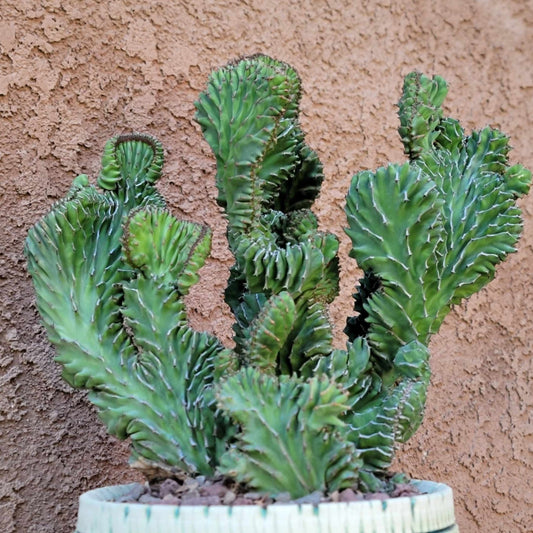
[(282, 411)]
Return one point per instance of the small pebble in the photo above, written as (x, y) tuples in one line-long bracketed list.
[(242, 501), (313, 498), (348, 495), (377, 496), (170, 499), (148, 499), (191, 484), (253, 495), (169, 486), (229, 497), (188, 499), (334, 496), (133, 495), (216, 489), (404, 489)]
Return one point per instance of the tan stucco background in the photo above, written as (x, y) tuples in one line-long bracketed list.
[(72, 74)]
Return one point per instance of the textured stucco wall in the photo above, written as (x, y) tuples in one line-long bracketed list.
[(74, 73)]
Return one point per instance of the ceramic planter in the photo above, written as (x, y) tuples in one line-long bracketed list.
[(431, 512)]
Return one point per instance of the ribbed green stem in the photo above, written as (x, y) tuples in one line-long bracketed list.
[(283, 411)]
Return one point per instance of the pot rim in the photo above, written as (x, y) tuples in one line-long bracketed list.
[(431, 511), (428, 490)]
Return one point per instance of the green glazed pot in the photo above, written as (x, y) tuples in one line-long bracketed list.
[(431, 512)]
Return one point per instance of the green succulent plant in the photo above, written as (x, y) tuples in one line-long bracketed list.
[(283, 410)]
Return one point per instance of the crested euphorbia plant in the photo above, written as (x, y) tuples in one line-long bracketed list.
[(281, 411)]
